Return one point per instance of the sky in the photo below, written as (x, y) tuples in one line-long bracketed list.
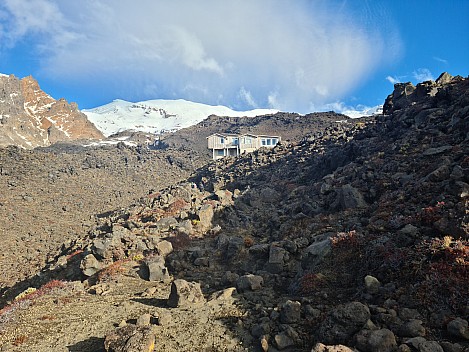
[(298, 56)]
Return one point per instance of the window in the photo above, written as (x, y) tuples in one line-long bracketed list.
[(222, 140), (269, 141), (274, 141), (264, 141), (219, 152), (247, 140), (235, 141)]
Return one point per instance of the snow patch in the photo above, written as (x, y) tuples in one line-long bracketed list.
[(362, 111), (110, 142), (59, 126), (23, 137)]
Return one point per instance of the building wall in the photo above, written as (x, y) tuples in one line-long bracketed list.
[(214, 141), (234, 145)]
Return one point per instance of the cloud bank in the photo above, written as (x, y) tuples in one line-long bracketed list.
[(289, 55)]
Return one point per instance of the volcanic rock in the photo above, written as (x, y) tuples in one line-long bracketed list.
[(31, 118)]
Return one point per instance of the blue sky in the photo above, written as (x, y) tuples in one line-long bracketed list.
[(302, 55)]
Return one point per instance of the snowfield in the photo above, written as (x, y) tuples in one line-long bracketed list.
[(158, 116)]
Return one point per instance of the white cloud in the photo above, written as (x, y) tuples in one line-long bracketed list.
[(291, 54), (393, 79), (423, 74), (439, 59), (272, 99), (247, 97), (22, 17), (351, 111)]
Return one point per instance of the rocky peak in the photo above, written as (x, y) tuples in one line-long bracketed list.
[(444, 78), (30, 118), (35, 98), (406, 94)]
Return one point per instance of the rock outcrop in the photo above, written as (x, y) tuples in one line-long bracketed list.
[(31, 118)]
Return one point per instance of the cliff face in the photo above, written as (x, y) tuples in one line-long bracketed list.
[(31, 118)]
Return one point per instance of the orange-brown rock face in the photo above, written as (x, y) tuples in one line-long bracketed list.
[(31, 118)]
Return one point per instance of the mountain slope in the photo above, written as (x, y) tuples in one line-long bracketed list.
[(292, 128), (356, 237), (157, 116), (30, 118)]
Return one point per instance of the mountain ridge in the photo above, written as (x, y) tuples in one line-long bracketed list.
[(158, 115), (31, 118)]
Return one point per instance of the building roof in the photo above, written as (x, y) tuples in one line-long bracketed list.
[(242, 134), (224, 135), (265, 135)]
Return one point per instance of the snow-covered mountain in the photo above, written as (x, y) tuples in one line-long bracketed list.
[(363, 111), (157, 116)]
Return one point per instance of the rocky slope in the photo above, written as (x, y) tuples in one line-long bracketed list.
[(291, 127), (48, 195), (31, 118), (354, 239)]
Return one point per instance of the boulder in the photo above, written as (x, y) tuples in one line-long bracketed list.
[(343, 322), (382, 340), (105, 247), (415, 341), (184, 294), (229, 278), (408, 314), (410, 231), (400, 97), (404, 348), (144, 320), (234, 246), (315, 253), (90, 265), (437, 150), (185, 227), (430, 346), (451, 347), (261, 329), (166, 224), (130, 338), (249, 283), (119, 231), (319, 347), (164, 248), (372, 284), (349, 197), (412, 328), (276, 259), (459, 328), (224, 197), (440, 174), (283, 341), (260, 250), (157, 270), (205, 216), (290, 312), (202, 261)]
